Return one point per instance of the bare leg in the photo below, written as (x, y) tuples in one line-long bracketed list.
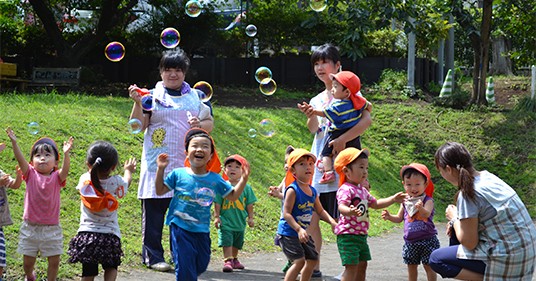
[(110, 274), (53, 267), (314, 231), (327, 162), (431, 275), (469, 275), (361, 271), (294, 270), (227, 253), (87, 278), (234, 252), (350, 272), (412, 272), (307, 270), (29, 263)]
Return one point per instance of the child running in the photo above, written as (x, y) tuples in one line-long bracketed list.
[(344, 113), (300, 201), (6, 181), (40, 232), (98, 240), (354, 200), (230, 216), (417, 212), (194, 188)]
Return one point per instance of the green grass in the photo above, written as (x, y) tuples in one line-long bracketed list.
[(501, 142)]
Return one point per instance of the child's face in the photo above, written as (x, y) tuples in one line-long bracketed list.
[(199, 151), (303, 169), (339, 91), (357, 171), (44, 162), (172, 77), (415, 185), (233, 170)]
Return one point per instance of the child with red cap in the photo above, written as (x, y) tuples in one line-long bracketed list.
[(40, 232), (354, 200), (194, 188), (343, 114), (230, 216), (417, 212)]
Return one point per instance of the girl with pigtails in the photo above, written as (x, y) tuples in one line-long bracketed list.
[(98, 240), (492, 234)]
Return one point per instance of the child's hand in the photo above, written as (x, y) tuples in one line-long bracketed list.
[(306, 108), (356, 211), (68, 145), (2, 146), (400, 197), (245, 172), (419, 205), (273, 191), (217, 222), (385, 214), (251, 222), (366, 185), (302, 235), (5, 180), (194, 122), (11, 134), (130, 164), (162, 160)]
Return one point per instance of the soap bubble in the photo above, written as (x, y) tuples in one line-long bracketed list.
[(252, 133), (204, 196), (147, 102), (318, 5), (206, 88), (251, 30), (134, 126), (193, 8), (170, 37), (268, 86), (114, 51), (267, 128), (262, 73), (33, 128)]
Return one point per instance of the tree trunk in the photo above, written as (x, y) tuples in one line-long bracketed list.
[(501, 62), (481, 55)]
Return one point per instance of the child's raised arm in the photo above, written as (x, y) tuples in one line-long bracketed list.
[(161, 163), (239, 187), (129, 167), (64, 171), (398, 218), (386, 202), (23, 164)]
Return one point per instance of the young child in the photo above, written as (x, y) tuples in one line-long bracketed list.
[(343, 114), (194, 187), (6, 181), (354, 200), (417, 212), (300, 201), (98, 240), (40, 232), (230, 216)]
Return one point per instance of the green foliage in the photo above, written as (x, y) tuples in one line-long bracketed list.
[(386, 42), (526, 104), (459, 99)]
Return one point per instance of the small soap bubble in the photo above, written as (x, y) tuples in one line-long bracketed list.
[(204, 196), (206, 88), (252, 133), (193, 8), (268, 86), (33, 128), (114, 51), (318, 5), (170, 37), (262, 73), (147, 102), (251, 30), (134, 125), (267, 128)]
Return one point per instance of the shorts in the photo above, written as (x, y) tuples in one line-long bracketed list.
[(230, 238), (353, 248), (329, 203), (2, 248), (295, 250), (419, 251), (44, 239), (327, 150)]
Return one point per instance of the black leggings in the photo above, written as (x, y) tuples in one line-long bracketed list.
[(92, 269)]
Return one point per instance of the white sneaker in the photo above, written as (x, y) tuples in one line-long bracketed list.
[(161, 266), (339, 277)]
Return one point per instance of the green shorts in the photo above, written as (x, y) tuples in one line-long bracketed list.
[(353, 248), (229, 238)]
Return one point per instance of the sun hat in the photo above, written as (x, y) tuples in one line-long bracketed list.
[(423, 170), (235, 157), (349, 80), (345, 157), (293, 157), (214, 164)]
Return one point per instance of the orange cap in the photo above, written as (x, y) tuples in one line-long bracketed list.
[(293, 157), (236, 157), (423, 170), (345, 157), (214, 164)]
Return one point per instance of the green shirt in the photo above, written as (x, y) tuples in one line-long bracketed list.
[(233, 214)]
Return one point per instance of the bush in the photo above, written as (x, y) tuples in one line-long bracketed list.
[(527, 104), (457, 100)]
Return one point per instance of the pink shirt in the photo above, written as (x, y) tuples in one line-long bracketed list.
[(42, 198), (349, 194)]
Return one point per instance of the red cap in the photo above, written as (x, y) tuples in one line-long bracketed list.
[(423, 170), (349, 80), (236, 157)]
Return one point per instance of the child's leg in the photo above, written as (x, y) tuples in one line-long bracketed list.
[(234, 251), (307, 270), (53, 267), (361, 271), (431, 275), (227, 252), (327, 163), (28, 265), (350, 272), (110, 274), (412, 272), (294, 270)]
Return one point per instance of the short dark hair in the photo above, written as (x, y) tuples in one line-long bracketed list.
[(326, 52), (198, 133), (175, 58)]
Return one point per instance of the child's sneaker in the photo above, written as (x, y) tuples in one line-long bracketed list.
[(327, 177), (237, 264), (228, 266)]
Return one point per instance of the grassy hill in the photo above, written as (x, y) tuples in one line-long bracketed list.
[(502, 142)]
